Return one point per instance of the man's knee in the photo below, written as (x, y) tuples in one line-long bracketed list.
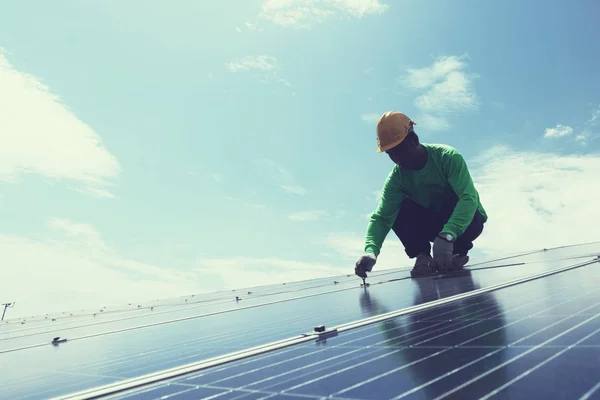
[(476, 226), (464, 242)]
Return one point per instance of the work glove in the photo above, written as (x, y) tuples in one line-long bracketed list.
[(365, 264), (442, 254)]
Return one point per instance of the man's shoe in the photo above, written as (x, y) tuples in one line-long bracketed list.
[(423, 266), (458, 262)]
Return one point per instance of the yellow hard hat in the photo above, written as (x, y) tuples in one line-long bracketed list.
[(392, 128)]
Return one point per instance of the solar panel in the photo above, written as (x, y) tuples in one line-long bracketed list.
[(181, 307), (504, 343), (176, 309), (118, 347)]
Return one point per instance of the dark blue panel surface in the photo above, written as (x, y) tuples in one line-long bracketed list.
[(492, 318), (80, 323), (503, 344), (32, 333)]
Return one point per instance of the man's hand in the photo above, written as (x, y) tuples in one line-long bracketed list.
[(442, 254), (365, 264)]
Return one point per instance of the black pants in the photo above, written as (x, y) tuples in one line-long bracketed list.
[(417, 227)]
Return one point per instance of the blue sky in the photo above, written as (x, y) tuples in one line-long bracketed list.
[(160, 148)]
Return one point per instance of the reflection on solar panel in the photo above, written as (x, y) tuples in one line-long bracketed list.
[(519, 327)]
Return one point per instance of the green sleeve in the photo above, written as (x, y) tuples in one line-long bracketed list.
[(383, 218), (460, 180)]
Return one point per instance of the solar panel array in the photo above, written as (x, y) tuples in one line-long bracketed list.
[(467, 349), (499, 343)]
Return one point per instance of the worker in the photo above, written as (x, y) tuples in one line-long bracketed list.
[(428, 196)]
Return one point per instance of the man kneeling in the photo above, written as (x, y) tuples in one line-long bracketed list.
[(428, 196)]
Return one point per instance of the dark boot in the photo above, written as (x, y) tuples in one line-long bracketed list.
[(423, 266), (459, 262)]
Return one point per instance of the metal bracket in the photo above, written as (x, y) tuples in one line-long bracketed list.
[(322, 334), (57, 340)]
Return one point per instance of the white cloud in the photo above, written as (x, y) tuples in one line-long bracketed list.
[(307, 215), (40, 135), (371, 118), (589, 129), (426, 77), (265, 67), (253, 27), (100, 193), (448, 90), (77, 269), (536, 200), (433, 123), (261, 63), (294, 189), (558, 131), (285, 82), (450, 95), (595, 118), (305, 13), (84, 232), (216, 177), (244, 272), (581, 139)]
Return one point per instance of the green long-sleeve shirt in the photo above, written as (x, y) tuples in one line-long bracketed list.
[(445, 172)]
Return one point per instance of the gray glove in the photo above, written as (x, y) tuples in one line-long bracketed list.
[(365, 264), (442, 254)]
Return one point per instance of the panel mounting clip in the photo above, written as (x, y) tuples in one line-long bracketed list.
[(57, 340), (322, 333)]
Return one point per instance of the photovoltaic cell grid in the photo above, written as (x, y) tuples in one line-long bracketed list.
[(149, 312), (198, 306), (309, 291), (94, 361), (87, 321), (538, 339), (337, 291), (152, 311), (331, 307), (124, 364), (74, 318)]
